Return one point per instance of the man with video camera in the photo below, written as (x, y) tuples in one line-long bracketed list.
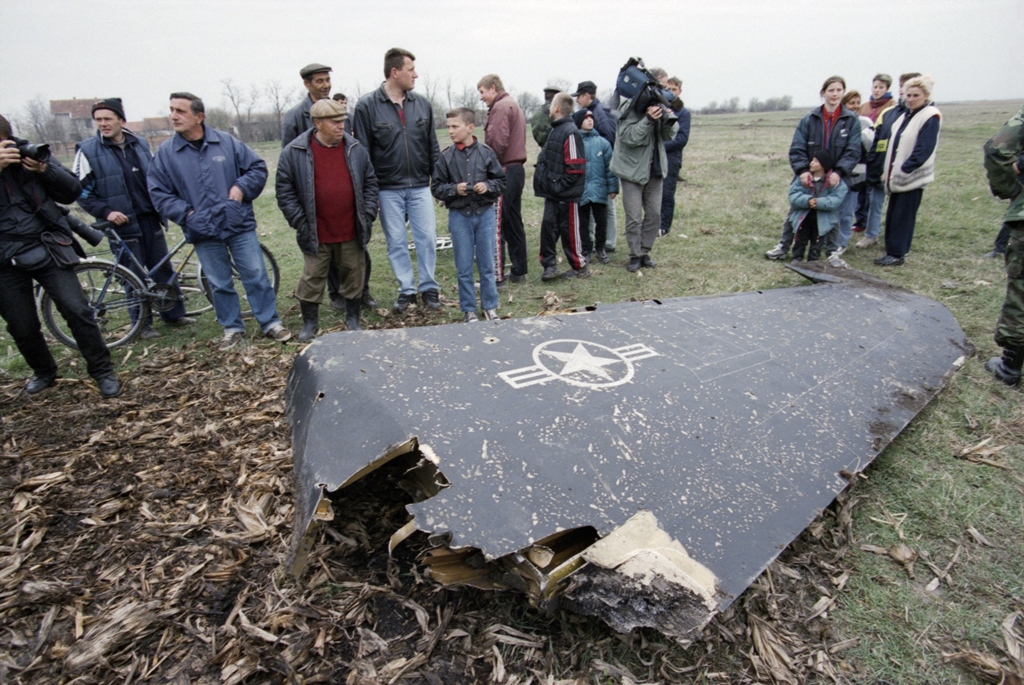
[(644, 125), (32, 230)]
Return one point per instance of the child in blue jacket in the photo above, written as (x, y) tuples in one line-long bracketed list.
[(814, 211), (601, 186)]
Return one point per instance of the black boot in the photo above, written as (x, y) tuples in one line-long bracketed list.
[(310, 320), (1007, 368), (352, 314)]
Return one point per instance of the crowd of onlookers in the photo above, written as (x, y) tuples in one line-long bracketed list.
[(340, 170), (848, 157)]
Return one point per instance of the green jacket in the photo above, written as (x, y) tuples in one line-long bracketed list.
[(637, 137), (1000, 154), (540, 124)]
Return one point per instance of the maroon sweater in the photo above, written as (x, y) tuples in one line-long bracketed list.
[(335, 197)]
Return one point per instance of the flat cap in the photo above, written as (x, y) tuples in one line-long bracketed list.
[(327, 109), (314, 68), (585, 87)]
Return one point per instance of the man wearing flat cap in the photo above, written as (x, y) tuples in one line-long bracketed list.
[(317, 80), (112, 168), (327, 191)]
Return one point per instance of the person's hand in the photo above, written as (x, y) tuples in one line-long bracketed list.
[(833, 180), (117, 218), (654, 112), (9, 154), (806, 180), (462, 189), (236, 194), (32, 165), (1016, 168), (813, 203), (480, 188), (612, 196)]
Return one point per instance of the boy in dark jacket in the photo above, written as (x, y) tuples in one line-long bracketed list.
[(469, 179), (559, 178)]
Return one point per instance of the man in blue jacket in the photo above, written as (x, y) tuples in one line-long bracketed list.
[(674, 154), (397, 128), (112, 168), (205, 180)]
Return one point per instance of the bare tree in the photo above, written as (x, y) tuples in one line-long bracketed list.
[(279, 99), (244, 105), (40, 124), (218, 117), (528, 102), (562, 84)]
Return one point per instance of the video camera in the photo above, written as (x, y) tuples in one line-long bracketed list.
[(636, 83)]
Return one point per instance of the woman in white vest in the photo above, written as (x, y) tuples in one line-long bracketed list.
[(909, 167)]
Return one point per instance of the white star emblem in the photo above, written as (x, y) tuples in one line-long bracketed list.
[(580, 359), (580, 367)]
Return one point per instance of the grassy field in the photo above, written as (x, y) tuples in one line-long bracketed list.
[(952, 511)]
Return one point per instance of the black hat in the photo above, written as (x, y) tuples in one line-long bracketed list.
[(314, 68), (585, 87), (825, 158), (113, 104)]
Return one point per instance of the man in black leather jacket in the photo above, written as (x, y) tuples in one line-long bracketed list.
[(29, 190), (397, 128)]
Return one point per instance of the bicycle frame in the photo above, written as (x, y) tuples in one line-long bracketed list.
[(135, 266)]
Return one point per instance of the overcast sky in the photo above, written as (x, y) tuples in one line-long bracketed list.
[(141, 50)]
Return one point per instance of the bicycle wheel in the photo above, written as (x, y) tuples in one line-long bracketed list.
[(115, 295), (272, 272), (192, 293)]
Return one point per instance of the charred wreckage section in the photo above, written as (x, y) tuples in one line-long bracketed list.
[(640, 462)]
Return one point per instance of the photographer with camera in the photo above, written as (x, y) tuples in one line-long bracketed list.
[(36, 244), (640, 162)]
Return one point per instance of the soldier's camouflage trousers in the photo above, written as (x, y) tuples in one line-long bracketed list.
[(1010, 329)]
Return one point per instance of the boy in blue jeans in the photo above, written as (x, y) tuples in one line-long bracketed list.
[(469, 179)]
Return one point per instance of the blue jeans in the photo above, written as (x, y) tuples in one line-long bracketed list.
[(418, 205), (473, 238), (241, 250), (876, 198), (847, 210)]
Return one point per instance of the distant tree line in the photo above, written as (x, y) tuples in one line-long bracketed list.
[(731, 106)]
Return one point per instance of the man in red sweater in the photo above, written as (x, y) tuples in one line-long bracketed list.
[(505, 133), (331, 210)]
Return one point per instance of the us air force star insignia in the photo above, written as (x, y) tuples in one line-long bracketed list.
[(580, 363)]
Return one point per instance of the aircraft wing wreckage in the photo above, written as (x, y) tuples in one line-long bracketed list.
[(642, 462)]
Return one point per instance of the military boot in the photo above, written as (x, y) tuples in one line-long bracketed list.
[(352, 313), (1007, 368), (310, 320)]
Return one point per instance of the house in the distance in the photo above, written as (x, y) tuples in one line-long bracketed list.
[(74, 117)]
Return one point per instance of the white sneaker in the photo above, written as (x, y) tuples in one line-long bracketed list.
[(839, 251), (836, 262), (777, 252), (866, 242), (230, 339), (279, 333)]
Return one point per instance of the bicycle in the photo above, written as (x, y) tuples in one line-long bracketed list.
[(122, 302)]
